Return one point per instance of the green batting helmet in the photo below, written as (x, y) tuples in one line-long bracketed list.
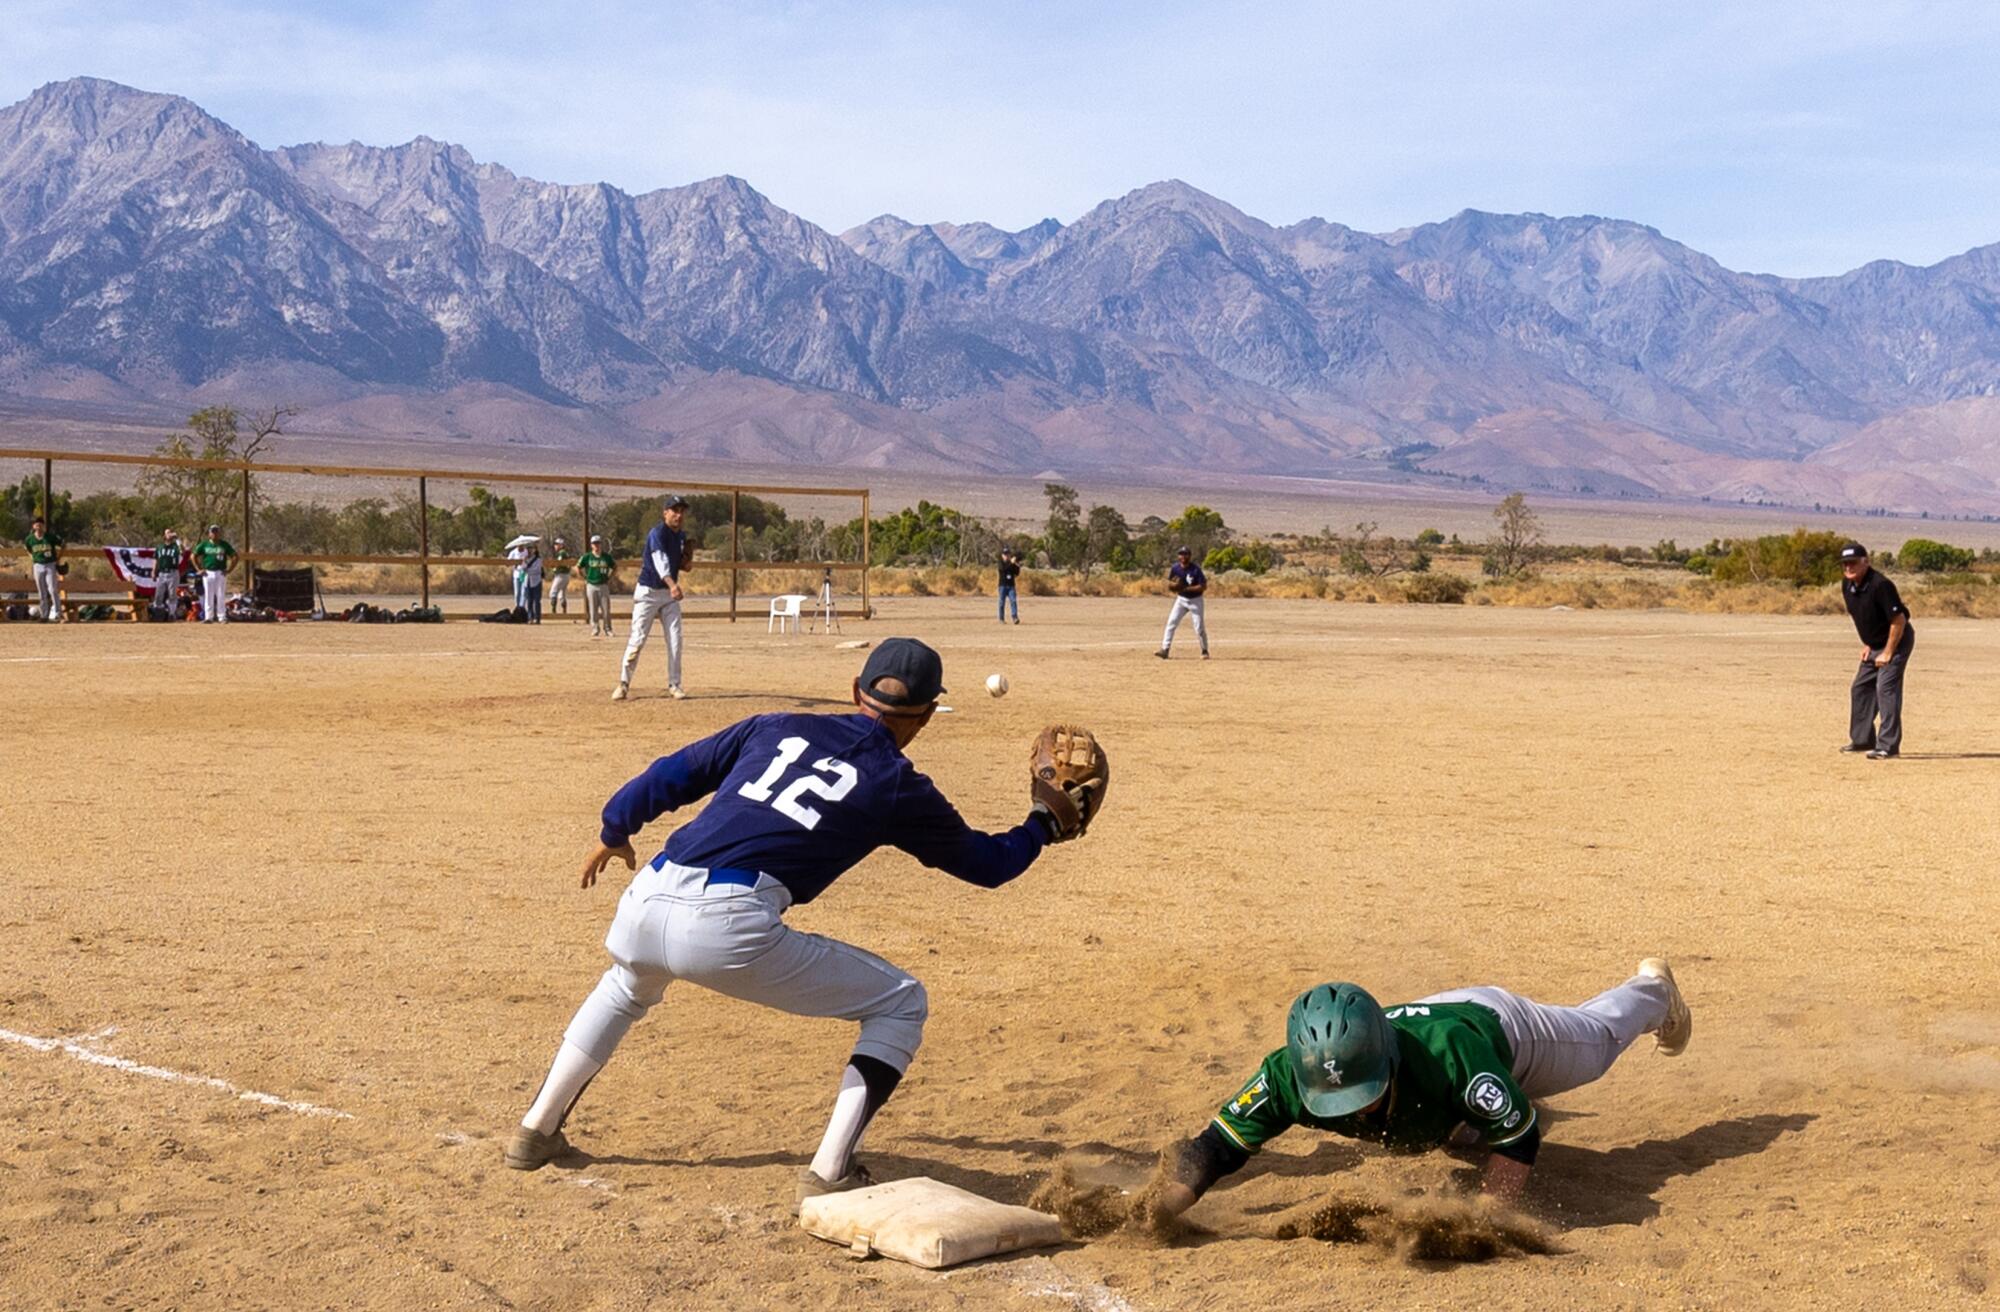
[(1342, 1049)]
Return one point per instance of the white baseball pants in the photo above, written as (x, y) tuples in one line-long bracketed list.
[(597, 607), (559, 594), (213, 605), (47, 581), (1185, 606), (1557, 1049), (673, 924), (648, 604)]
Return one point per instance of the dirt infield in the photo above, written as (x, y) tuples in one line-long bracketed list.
[(334, 866)]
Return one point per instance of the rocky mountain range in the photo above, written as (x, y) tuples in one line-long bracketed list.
[(151, 256)]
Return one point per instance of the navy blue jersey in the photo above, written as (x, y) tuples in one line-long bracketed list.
[(802, 798), (666, 548), (1186, 578)]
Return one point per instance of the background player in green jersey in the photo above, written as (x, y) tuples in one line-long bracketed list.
[(597, 566), (1461, 1066), (213, 556), (43, 548), (559, 567)]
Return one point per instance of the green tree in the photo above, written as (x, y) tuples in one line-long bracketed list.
[(1928, 557), (196, 498), (1802, 558), (1063, 537), (1198, 529), (1106, 538)]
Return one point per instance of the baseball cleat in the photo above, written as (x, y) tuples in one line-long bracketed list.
[(1161, 653), (811, 1186), (1879, 755), (618, 693), (1858, 747), (531, 1148), (1678, 1027), (674, 691)]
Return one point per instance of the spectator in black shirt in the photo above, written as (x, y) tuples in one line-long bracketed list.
[(1887, 638), (1010, 572)]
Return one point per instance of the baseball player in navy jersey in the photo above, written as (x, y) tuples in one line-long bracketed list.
[(658, 596), (1187, 583), (797, 801)]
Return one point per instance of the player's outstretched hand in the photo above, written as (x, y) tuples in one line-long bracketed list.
[(1068, 774), (603, 856)]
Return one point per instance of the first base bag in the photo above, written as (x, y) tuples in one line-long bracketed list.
[(925, 1223)]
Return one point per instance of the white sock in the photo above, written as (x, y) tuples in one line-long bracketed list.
[(572, 1069), (843, 1131)]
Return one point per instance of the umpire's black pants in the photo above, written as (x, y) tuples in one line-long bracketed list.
[(1878, 691)]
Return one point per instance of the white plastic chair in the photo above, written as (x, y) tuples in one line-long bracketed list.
[(784, 609)]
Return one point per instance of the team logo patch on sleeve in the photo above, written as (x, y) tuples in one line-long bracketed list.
[(1488, 1096), (1250, 1099)]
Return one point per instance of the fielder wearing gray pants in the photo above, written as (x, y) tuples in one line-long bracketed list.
[(1185, 606), (648, 604), (1557, 1049), (1878, 690), (559, 593), (597, 607), (46, 583), (673, 924)]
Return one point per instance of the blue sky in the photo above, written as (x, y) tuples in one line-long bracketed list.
[(1786, 138)]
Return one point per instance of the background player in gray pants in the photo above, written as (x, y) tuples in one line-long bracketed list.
[(796, 801)]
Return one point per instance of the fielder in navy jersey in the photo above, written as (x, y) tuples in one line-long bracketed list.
[(798, 800), (657, 596)]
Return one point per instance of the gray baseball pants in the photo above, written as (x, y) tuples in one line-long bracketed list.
[(1185, 606), (1878, 690), (46, 583), (559, 594), (1557, 1049), (673, 924), (597, 601), (649, 604)]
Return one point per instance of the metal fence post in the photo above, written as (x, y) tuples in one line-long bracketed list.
[(424, 535)]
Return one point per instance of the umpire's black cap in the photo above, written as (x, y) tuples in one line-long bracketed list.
[(1854, 551), (674, 502), (911, 663)]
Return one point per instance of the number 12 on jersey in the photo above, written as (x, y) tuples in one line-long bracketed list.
[(788, 803)]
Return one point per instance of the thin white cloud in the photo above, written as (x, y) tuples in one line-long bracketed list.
[(1799, 139)]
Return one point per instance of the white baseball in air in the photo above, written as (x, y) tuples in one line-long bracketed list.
[(996, 685)]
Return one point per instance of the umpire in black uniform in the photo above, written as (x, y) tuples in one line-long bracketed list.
[(1887, 638)]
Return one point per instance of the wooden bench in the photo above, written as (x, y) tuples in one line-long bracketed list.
[(21, 583), (74, 593)]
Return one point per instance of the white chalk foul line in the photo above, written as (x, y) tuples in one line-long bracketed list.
[(77, 1050)]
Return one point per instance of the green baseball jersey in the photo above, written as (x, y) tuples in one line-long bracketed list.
[(596, 567), (212, 555), (1456, 1067), (561, 563), (41, 547), (167, 557)]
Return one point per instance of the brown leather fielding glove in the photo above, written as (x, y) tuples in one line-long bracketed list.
[(1069, 775)]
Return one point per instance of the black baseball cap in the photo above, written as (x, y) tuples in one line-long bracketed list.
[(916, 666), (1183, 551), (674, 502), (1854, 551)]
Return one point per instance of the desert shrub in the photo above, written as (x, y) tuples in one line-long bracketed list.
[(1802, 558), (1256, 558), (1928, 557), (1437, 589)]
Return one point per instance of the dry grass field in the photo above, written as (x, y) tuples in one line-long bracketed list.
[(336, 865)]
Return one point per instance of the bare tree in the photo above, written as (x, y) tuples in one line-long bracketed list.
[(1516, 540), (1365, 555), (265, 425)]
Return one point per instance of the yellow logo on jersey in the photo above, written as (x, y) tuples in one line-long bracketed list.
[(1250, 1099)]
